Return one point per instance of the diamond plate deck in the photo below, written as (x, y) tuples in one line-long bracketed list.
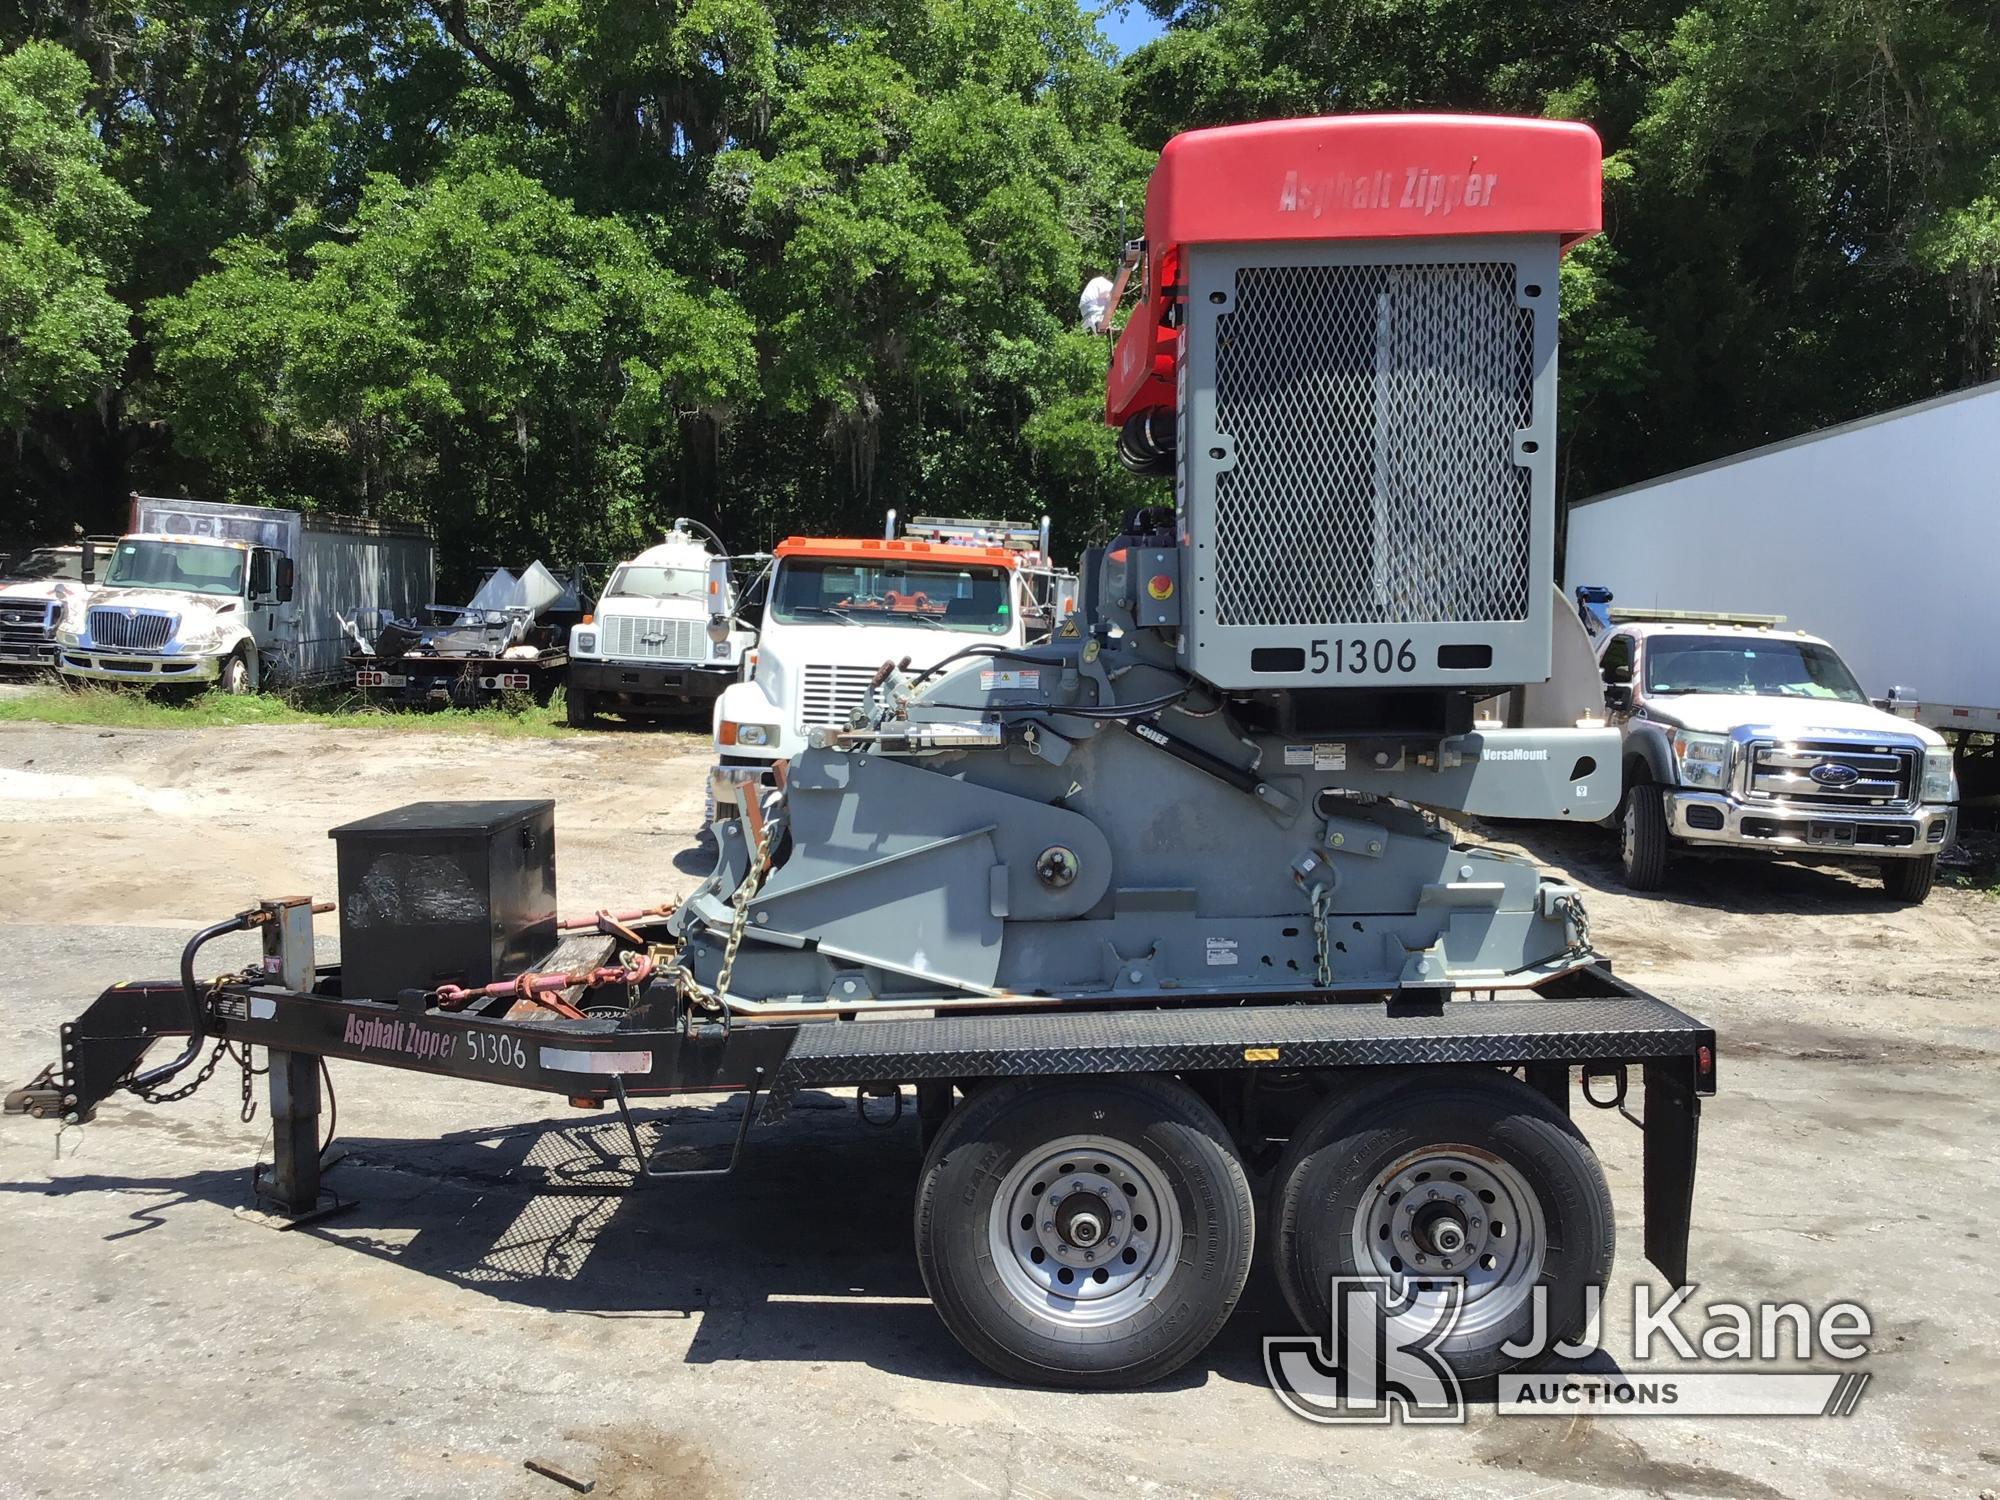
[(1630, 1027)]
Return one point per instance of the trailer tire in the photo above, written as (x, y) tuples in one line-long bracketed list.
[(1642, 838), (234, 678), (1909, 880), (578, 708), (1492, 1146), (1023, 1176)]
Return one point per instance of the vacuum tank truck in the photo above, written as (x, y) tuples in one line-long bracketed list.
[(1161, 922)]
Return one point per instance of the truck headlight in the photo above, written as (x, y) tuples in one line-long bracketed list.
[(1939, 784), (754, 735), (1702, 759), (583, 641), (198, 637)]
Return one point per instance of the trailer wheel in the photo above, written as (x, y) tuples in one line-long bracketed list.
[(1909, 880), (579, 710), (1089, 1234), (1449, 1174), (1642, 838)]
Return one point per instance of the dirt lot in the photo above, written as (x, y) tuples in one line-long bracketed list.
[(493, 1298)]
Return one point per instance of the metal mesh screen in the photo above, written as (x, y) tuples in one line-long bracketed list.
[(1373, 411)]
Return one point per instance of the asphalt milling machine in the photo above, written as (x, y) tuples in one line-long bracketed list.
[(1160, 923)]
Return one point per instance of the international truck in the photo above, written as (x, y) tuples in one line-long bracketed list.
[(1151, 911), (202, 594), (34, 586), (836, 608), (1878, 534), (646, 651)]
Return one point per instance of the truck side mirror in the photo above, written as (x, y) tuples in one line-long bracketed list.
[(1618, 696), (287, 579), (718, 630)]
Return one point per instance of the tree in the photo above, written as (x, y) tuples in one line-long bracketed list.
[(64, 227)]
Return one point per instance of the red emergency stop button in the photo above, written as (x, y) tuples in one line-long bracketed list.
[(1160, 586)]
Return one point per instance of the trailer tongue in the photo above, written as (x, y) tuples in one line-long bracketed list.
[(1169, 901)]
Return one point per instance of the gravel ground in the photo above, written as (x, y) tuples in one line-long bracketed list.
[(493, 1297)]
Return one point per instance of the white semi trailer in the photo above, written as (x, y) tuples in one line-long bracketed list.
[(1880, 534)]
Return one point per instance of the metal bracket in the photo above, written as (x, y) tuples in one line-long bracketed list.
[(643, 1158)]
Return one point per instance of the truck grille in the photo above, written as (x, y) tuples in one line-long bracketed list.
[(27, 622), (1373, 412), (630, 639), (1882, 775), (828, 694), (130, 630)]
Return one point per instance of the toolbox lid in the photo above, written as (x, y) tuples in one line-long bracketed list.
[(423, 819)]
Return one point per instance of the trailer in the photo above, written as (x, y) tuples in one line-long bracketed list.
[(1161, 905), (512, 637), (1797, 528)]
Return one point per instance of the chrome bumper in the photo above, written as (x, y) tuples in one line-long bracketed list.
[(135, 666), (1692, 817)]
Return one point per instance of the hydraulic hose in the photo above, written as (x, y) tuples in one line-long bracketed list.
[(238, 923)]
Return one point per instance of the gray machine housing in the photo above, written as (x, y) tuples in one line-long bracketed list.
[(1195, 788)]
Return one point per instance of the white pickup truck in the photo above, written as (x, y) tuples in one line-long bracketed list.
[(838, 608), (1742, 738)]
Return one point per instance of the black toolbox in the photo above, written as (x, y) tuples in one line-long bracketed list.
[(445, 892)]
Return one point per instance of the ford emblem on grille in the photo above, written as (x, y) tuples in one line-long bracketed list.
[(1833, 773)]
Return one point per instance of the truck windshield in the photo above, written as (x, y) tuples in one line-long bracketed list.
[(815, 590), (634, 582), (1743, 665), (190, 567)]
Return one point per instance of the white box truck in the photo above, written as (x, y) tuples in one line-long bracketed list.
[(1879, 535), (201, 593)]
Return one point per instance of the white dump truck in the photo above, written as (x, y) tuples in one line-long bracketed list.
[(838, 608), (645, 651), (237, 596)]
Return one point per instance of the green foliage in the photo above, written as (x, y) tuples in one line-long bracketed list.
[(546, 273), (64, 225)]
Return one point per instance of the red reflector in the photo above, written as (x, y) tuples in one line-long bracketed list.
[(1704, 1060), (367, 679), (514, 680)]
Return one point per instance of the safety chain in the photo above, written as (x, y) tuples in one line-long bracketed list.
[(741, 901), (160, 1096), (249, 1110), (1570, 908), (1321, 896)]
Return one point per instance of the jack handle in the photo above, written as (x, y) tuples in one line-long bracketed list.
[(243, 921)]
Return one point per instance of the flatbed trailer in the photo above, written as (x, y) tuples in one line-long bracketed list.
[(457, 681), (629, 1046)]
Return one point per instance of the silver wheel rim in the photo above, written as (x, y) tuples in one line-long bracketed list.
[(1454, 1213), (1628, 840), (1084, 1231)]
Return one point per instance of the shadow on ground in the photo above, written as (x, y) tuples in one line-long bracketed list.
[(1745, 886), (803, 1254)]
